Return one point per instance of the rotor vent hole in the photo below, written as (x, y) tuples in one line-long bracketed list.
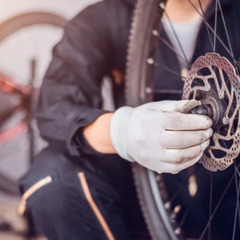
[(199, 95), (219, 153), (191, 95), (226, 144), (197, 82), (226, 100), (223, 164), (224, 130), (207, 154), (204, 72), (212, 143), (233, 107), (227, 81), (217, 72), (212, 83), (234, 126)]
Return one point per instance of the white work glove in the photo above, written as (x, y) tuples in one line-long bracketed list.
[(160, 135)]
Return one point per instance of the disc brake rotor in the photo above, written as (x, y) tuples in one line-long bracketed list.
[(214, 82)]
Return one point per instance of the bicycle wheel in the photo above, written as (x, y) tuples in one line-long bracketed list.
[(22, 38), (196, 203), (28, 19)]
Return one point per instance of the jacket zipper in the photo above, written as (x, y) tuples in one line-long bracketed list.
[(30, 192), (94, 207)]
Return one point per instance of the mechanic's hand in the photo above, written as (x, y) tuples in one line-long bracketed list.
[(161, 135)]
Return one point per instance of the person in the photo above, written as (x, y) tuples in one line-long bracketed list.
[(81, 186)]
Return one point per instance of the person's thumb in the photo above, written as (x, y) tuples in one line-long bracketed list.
[(184, 106)]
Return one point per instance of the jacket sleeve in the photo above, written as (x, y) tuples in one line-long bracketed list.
[(70, 97)]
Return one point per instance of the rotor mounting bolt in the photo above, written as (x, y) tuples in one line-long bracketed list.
[(224, 120), (220, 95)]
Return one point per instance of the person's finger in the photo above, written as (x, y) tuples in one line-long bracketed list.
[(184, 155), (176, 168), (181, 122), (184, 106), (172, 106), (185, 139)]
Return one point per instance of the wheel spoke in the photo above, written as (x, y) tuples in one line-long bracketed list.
[(192, 202), (203, 14), (164, 41), (225, 29), (173, 91), (215, 27), (237, 179), (237, 170), (169, 70), (216, 207), (210, 204), (236, 217), (214, 33), (176, 36)]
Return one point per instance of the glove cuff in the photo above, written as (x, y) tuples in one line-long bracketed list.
[(119, 131)]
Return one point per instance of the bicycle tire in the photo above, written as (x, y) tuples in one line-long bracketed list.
[(138, 71), (8, 27)]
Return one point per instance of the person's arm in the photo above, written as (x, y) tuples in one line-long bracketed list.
[(70, 97), (98, 136), (161, 136)]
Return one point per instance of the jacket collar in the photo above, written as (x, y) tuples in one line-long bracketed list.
[(224, 4)]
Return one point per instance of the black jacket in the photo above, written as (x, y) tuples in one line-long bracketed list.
[(95, 43)]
